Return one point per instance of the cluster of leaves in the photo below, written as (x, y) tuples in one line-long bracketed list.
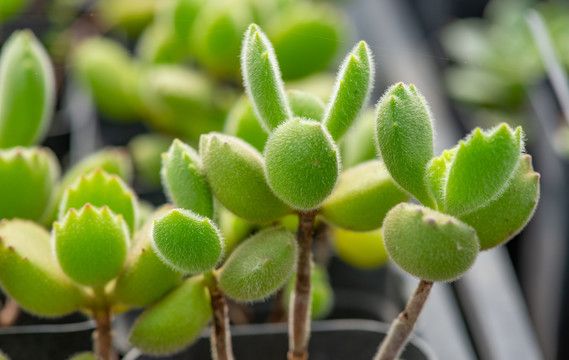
[(476, 195), (498, 58)]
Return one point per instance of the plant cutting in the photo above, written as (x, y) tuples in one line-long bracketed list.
[(473, 197)]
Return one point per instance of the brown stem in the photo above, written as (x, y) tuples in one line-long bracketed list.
[(278, 314), (402, 327), (220, 337), (299, 322), (9, 313), (103, 336)]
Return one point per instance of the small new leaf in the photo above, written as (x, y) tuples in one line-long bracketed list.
[(262, 79), (353, 86)]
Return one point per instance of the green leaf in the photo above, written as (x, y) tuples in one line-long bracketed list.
[(145, 278), (30, 274), (101, 189), (184, 180), (105, 68), (216, 36), (175, 321), (302, 163), (357, 145), (85, 356), (187, 242), (27, 179), (437, 172), (428, 244), (364, 194), (262, 79), (11, 8), (146, 151), (504, 217), (242, 122), (353, 87), (404, 136), (304, 104), (306, 37), (27, 91), (363, 250), (481, 167), (91, 245), (235, 171), (233, 228), (259, 266)]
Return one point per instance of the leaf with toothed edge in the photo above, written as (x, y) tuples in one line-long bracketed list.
[(481, 167), (302, 163), (259, 266), (101, 189), (506, 216), (236, 173), (404, 137), (187, 242), (27, 179), (184, 179), (262, 79), (145, 278), (31, 275), (91, 244), (175, 321), (353, 87), (428, 244)]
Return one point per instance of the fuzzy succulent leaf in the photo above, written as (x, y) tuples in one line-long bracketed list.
[(91, 245), (306, 37), (235, 171), (259, 266), (321, 293), (145, 278), (262, 79), (27, 179), (30, 274), (146, 151), (428, 244), (187, 242), (105, 68), (364, 194), (175, 321), (302, 163), (437, 171), (481, 167), (404, 136), (27, 90), (364, 250), (353, 87), (242, 122), (306, 105), (357, 145), (506, 216), (101, 189), (233, 228), (184, 179)]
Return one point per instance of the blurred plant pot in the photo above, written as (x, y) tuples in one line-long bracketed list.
[(46, 342), (330, 340)]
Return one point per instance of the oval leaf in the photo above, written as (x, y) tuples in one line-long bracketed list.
[(353, 86), (404, 136), (302, 163), (364, 194), (30, 274), (305, 105), (259, 266), (235, 171), (262, 79), (427, 244), (364, 250), (187, 242), (175, 321)]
